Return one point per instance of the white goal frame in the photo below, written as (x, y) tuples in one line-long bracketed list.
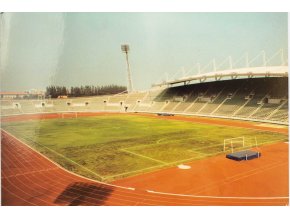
[(231, 141), (75, 114), (241, 140)]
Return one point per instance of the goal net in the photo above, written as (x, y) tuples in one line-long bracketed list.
[(69, 115), (239, 143)]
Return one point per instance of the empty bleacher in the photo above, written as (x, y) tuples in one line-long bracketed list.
[(248, 98), (97, 103), (27, 106), (133, 99), (148, 99), (170, 106), (263, 99)]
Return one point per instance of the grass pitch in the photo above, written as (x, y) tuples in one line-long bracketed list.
[(116, 146)]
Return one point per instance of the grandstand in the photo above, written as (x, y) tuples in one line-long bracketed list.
[(96, 103), (249, 99), (262, 99)]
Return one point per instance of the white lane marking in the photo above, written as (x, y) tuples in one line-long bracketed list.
[(217, 197), (108, 184)]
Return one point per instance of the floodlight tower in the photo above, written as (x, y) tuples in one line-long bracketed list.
[(125, 48)]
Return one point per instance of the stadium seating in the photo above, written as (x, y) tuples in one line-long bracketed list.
[(243, 98), (148, 99), (61, 104), (263, 99), (117, 98), (158, 106), (132, 100), (97, 103), (281, 114), (27, 106)]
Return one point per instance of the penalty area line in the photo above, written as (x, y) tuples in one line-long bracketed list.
[(143, 156)]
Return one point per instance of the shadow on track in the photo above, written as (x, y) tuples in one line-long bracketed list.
[(80, 193)]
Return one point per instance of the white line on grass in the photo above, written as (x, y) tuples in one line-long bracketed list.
[(26, 144), (179, 161), (156, 167), (175, 162), (196, 152), (140, 155), (163, 140), (64, 157), (223, 125), (201, 155), (253, 146), (134, 171)]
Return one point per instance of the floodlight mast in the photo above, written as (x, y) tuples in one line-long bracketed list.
[(125, 48)]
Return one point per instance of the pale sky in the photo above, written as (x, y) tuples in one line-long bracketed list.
[(41, 49)]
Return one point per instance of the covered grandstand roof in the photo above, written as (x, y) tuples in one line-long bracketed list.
[(268, 71)]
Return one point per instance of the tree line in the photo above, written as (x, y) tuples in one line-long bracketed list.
[(55, 91)]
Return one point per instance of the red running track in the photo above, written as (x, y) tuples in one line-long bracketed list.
[(28, 178)]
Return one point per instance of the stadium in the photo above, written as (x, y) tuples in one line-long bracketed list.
[(163, 146)]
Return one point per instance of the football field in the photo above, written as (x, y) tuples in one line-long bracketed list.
[(115, 146)]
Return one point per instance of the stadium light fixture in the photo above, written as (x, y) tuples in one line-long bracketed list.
[(125, 48)]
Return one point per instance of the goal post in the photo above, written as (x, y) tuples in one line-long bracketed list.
[(234, 142), (69, 115), (239, 143)]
